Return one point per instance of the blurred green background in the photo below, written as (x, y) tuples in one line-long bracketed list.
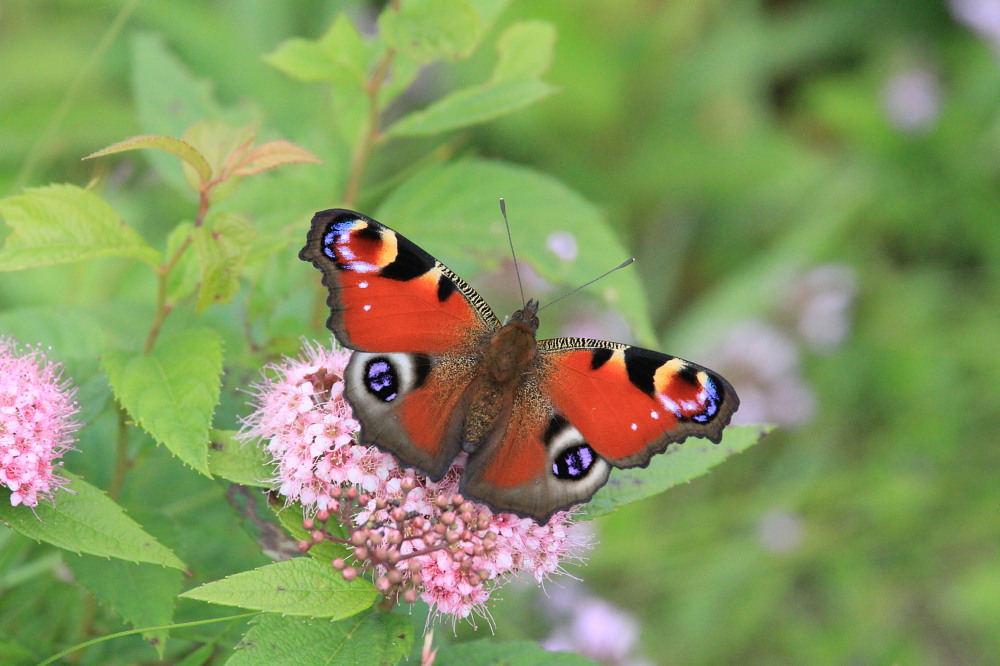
[(820, 178)]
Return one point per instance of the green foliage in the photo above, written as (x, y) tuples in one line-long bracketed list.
[(172, 391), (62, 223), (369, 638), (88, 522), (302, 586)]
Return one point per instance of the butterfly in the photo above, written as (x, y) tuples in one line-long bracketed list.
[(435, 373)]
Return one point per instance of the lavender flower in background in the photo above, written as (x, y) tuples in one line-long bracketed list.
[(763, 358), (562, 244), (982, 16), (912, 99), (591, 627), (763, 364), (417, 537), (36, 423), (819, 305), (779, 531)]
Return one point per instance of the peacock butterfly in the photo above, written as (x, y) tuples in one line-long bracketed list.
[(435, 373)]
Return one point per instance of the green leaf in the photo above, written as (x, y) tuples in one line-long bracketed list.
[(85, 520), (470, 106), (62, 223), (428, 30), (488, 653), (222, 245), (177, 147), (75, 333), (526, 50), (15, 654), (339, 56), (238, 461), (372, 638), (141, 594), (447, 212), (525, 54), (172, 392), (301, 586), (681, 463), (489, 9)]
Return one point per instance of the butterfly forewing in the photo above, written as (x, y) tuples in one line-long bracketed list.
[(630, 403), (387, 294)]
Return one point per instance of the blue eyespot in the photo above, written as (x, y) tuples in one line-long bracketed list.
[(574, 462), (381, 379)]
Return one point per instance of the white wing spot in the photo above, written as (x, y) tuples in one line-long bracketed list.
[(362, 285), (655, 415), (635, 426), (367, 308)]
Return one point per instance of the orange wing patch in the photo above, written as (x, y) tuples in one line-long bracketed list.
[(614, 416)]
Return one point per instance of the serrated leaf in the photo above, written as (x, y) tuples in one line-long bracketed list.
[(301, 586), (57, 224), (172, 391), (372, 638), (271, 154), (471, 106), (238, 461), (222, 245), (141, 594), (489, 653), (428, 30), (526, 50), (86, 520), (178, 147), (445, 209), (679, 464)]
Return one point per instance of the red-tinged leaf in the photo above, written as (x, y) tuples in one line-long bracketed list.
[(273, 154)]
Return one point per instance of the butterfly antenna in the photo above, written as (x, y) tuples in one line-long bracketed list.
[(517, 271), (601, 276)]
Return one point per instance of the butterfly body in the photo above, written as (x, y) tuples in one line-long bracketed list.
[(435, 373)]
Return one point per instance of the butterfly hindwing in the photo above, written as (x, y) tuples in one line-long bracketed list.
[(387, 294), (630, 403), (537, 465), (410, 405)]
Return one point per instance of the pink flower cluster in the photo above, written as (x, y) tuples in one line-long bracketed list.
[(408, 530), (36, 423)]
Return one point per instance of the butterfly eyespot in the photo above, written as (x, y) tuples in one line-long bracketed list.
[(381, 379), (574, 462)]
